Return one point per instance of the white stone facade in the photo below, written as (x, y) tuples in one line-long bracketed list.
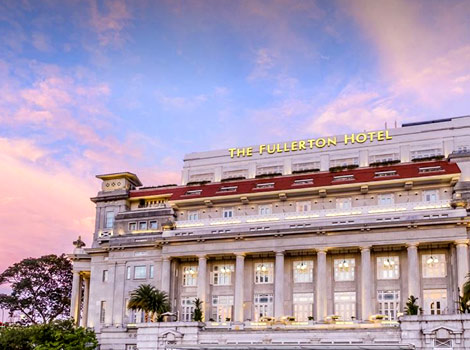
[(310, 259)]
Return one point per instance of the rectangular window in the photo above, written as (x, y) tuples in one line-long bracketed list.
[(190, 276), (103, 311), (228, 189), (227, 213), (276, 169), (430, 169), (303, 182), (344, 269), (109, 219), (265, 209), (303, 271), (386, 199), (383, 158), (132, 226), (343, 203), (105, 276), (345, 305), (339, 178), (388, 268), (264, 272), (303, 306), (344, 162), (142, 225), (140, 272), (265, 185), (435, 301), (386, 173), (222, 307), (303, 206), (298, 167), (153, 225), (263, 306), (434, 265), (187, 308), (193, 215), (426, 153), (430, 196), (222, 274), (389, 303), (128, 273), (151, 271)]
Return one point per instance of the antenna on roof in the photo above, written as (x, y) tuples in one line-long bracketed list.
[(385, 125)]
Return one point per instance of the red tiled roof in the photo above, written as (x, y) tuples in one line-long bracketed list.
[(286, 182)]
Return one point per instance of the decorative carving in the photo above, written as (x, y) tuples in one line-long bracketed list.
[(79, 243)]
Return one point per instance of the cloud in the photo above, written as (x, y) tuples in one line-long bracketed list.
[(110, 24), (180, 102), (41, 42)]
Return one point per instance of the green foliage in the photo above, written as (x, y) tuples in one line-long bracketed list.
[(57, 335), (198, 314), (464, 299), (412, 308), (40, 288), (151, 301)]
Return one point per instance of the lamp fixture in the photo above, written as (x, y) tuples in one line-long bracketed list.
[(302, 266)]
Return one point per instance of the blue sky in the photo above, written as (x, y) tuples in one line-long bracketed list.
[(92, 87)]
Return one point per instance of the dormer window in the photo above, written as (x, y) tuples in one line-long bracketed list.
[(303, 182), (430, 169), (386, 173), (228, 189), (343, 178), (265, 185), (193, 192)]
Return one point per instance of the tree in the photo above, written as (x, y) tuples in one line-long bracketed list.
[(57, 335), (412, 308), (464, 300), (151, 301), (197, 314), (41, 288)]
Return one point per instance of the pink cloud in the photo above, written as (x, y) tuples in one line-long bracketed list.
[(110, 24)]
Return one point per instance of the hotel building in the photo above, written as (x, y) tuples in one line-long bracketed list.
[(309, 244)]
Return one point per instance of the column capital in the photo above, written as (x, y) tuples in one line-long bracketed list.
[(202, 256), (166, 258), (279, 252), (237, 254), (412, 245), (321, 250), (458, 242), (365, 248)]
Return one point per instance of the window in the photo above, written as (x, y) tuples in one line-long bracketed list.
[(265, 209), (276, 169), (388, 268), (344, 162), (201, 177), (227, 213), (303, 271), (430, 169), (434, 265), (383, 158), (304, 206), (265, 185), (109, 219), (103, 311), (430, 196), (386, 173), (228, 189), (344, 269), (105, 276), (343, 178), (151, 271), (386, 199), (190, 276), (343, 203), (222, 307), (128, 273), (132, 226), (234, 174), (263, 305), (345, 305), (435, 301), (389, 303), (303, 182), (153, 225), (443, 344), (303, 306), (193, 192), (187, 308), (222, 275), (305, 166), (131, 347), (264, 273), (426, 153), (193, 215), (140, 272), (142, 225)]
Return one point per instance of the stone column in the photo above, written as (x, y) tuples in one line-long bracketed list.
[(462, 262), (118, 293), (321, 286), (279, 285), (76, 298), (86, 301), (238, 312), (413, 270), (166, 275), (366, 283), (201, 282)]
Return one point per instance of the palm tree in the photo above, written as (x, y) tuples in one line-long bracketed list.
[(412, 307), (149, 300), (198, 315), (464, 300)]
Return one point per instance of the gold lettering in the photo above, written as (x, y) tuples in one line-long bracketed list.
[(387, 137), (278, 148), (286, 149), (273, 150), (348, 138), (310, 142), (293, 146), (371, 135), (261, 149), (240, 151), (331, 141), (361, 138), (232, 151), (380, 136), (321, 142), (249, 151), (302, 145)]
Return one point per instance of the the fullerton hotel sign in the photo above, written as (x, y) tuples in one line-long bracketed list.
[(303, 145)]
